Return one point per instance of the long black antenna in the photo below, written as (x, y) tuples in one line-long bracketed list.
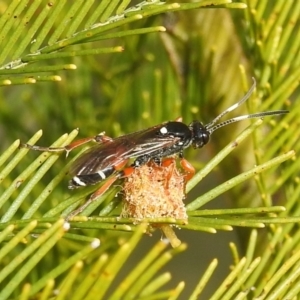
[(211, 127)]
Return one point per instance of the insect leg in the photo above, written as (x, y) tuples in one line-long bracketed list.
[(187, 166), (168, 161), (171, 164), (100, 138), (95, 195)]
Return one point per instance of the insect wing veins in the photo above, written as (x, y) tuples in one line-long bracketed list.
[(103, 156)]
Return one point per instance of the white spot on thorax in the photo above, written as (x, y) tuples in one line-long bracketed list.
[(163, 130)]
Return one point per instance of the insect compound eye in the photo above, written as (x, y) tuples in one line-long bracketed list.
[(200, 134), (201, 140)]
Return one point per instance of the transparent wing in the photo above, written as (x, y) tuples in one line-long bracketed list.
[(102, 156)]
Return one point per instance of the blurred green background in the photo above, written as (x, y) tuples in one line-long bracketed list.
[(199, 66)]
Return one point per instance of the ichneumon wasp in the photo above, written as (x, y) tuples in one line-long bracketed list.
[(108, 159)]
